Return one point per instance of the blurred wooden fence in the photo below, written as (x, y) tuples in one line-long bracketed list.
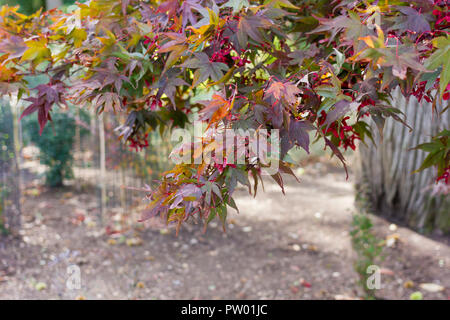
[(386, 169), (103, 165)]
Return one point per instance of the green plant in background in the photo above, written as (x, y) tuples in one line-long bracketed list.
[(26, 6), (367, 247), (55, 146), (31, 6), (4, 157)]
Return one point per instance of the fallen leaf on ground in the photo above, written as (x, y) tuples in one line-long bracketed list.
[(416, 296), (164, 231), (392, 239), (32, 192), (431, 287), (134, 242), (294, 289), (393, 227), (387, 271), (305, 283), (40, 286)]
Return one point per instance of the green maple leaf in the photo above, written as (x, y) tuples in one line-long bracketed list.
[(441, 58), (237, 5)]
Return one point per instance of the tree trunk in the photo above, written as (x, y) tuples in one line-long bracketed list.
[(384, 176), (101, 130)]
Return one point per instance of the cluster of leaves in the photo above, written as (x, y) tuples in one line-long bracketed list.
[(299, 67), (146, 163), (438, 155)]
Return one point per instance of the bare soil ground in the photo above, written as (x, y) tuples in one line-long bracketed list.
[(295, 246)]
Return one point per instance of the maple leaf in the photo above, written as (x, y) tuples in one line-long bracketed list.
[(336, 152), (388, 56), (250, 26), (280, 4), (109, 75), (176, 46), (380, 112), (298, 133), (37, 51), (299, 55), (78, 36), (412, 20), (335, 26), (340, 108), (408, 58), (237, 5), (47, 96), (349, 26), (14, 47), (170, 7), (216, 109), (186, 11), (125, 130), (209, 15), (107, 101), (438, 153), (167, 85), (288, 91), (205, 68), (174, 40), (441, 57), (8, 74), (275, 115), (279, 179), (153, 209)]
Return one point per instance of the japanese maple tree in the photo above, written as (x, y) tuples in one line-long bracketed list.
[(295, 66)]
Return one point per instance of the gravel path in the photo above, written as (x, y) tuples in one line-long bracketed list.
[(278, 247)]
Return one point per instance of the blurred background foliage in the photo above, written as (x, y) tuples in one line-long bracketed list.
[(6, 154), (30, 6), (55, 146)]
